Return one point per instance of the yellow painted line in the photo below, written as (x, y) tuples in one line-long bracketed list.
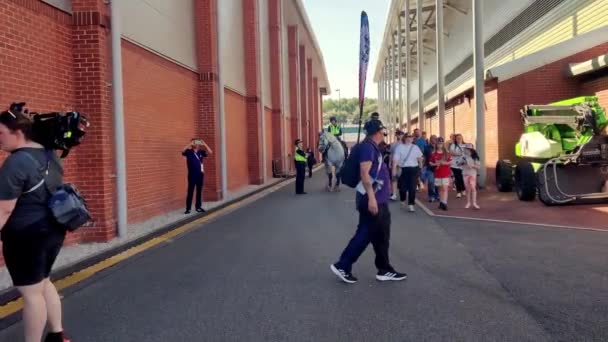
[(77, 277)]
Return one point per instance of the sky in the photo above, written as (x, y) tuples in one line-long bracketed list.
[(337, 27)]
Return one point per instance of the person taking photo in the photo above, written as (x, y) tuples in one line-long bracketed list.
[(195, 153)]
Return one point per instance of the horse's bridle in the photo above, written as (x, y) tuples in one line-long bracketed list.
[(327, 147)]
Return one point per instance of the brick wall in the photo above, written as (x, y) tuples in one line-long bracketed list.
[(269, 143), (205, 15), (251, 41), (315, 113), (161, 117), (309, 104), (92, 70), (289, 139), (276, 75), (236, 139), (597, 86), (293, 83), (303, 95)]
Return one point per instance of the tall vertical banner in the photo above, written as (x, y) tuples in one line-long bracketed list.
[(363, 62)]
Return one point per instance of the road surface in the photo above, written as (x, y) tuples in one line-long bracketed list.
[(262, 273)]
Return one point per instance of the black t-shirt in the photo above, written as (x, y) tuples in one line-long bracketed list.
[(194, 160), (19, 174)]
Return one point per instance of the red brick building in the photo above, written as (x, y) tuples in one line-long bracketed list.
[(246, 76)]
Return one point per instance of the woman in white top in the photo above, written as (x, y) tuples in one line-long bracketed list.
[(408, 157), (469, 170), (457, 153)]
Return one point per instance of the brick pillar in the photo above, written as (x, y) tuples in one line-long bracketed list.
[(93, 96), (316, 126), (276, 75), (309, 98), (205, 15), (293, 82), (252, 78), (303, 97)]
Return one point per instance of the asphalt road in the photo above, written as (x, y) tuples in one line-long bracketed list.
[(262, 274)]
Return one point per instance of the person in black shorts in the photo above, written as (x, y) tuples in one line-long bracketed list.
[(31, 240)]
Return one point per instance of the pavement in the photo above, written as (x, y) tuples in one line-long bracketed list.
[(261, 273), (507, 207)]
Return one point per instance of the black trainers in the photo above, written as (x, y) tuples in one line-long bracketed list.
[(388, 276), (345, 277), (200, 210), (187, 212)]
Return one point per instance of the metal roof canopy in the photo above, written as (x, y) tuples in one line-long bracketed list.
[(429, 25)]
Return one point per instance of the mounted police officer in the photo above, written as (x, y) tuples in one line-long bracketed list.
[(336, 131)]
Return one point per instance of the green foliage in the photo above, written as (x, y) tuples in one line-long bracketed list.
[(347, 110)]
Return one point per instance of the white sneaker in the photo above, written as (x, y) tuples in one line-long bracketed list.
[(412, 209), (459, 195), (394, 198)]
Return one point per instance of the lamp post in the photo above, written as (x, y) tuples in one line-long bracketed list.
[(339, 100)]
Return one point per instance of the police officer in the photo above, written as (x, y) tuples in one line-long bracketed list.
[(333, 128), (300, 161)]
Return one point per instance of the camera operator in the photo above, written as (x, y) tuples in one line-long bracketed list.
[(31, 239)]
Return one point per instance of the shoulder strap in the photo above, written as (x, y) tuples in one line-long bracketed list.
[(46, 171), (380, 161), (409, 152)]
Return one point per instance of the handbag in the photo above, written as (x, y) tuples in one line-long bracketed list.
[(67, 205)]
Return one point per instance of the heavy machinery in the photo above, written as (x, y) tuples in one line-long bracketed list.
[(562, 154)]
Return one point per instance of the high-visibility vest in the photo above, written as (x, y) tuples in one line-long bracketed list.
[(335, 130), (299, 158)]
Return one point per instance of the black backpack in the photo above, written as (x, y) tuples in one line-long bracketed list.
[(350, 173)]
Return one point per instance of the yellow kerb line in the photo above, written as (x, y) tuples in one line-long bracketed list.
[(77, 277)]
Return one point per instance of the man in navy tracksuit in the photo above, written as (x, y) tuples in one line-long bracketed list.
[(195, 152)]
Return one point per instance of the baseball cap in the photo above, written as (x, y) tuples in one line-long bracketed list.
[(373, 127), (399, 132), (297, 141)]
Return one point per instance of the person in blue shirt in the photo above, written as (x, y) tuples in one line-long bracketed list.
[(195, 152), (372, 198)]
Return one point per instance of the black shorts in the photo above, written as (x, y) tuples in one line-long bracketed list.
[(29, 256)]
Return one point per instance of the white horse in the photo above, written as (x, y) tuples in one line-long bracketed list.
[(332, 148)]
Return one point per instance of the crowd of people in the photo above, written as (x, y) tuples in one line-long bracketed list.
[(417, 163)]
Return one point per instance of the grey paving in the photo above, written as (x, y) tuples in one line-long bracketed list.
[(559, 275), (262, 274)]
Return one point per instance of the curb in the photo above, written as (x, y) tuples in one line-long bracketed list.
[(430, 213), (11, 294)]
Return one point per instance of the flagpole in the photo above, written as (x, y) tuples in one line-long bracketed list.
[(363, 61)]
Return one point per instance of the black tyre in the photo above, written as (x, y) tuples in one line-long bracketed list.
[(525, 181), (504, 176)]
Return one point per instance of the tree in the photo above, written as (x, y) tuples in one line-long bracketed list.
[(347, 111)]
